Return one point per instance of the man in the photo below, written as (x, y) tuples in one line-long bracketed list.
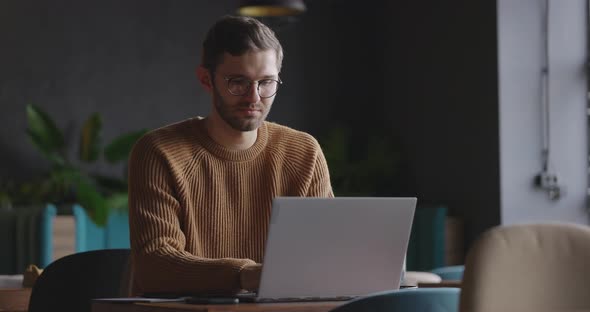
[(200, 190)]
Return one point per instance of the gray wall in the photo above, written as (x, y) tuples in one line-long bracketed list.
[(131, 61), (443, 103), (424, 72), (520, 60)]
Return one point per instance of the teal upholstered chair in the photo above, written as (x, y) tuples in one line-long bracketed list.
[(46, 237), (89, 236), (23, 237), (426, 249), (454, 272), (406, 300)]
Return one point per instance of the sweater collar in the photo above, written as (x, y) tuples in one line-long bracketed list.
[(228, 154)]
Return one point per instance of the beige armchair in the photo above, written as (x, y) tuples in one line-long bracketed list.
[(536, 267)]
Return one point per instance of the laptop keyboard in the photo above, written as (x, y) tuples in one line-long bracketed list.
[(251, 297)]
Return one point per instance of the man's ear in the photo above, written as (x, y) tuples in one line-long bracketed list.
[(205, 78)]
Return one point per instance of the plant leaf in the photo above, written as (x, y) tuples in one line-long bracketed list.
[(118, 201), (121, 146), (90, 138), (110, 184), (43, 131), (62, 182), (335, 146), (47, 151), (94, 203)]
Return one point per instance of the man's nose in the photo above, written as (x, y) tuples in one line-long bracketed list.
[(252, 95)]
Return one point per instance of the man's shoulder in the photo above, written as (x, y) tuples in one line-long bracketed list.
[(287, 135), (177, 129), (171, 136), (277, 131), (288, 139)]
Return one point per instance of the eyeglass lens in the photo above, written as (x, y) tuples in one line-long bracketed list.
[(266, 87)]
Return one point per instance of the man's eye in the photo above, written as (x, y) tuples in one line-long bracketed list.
[(240, 81), (266, 82)]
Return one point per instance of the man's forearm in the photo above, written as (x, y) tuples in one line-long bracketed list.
[(166, 271)]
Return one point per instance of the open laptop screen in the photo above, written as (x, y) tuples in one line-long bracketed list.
[(335, 247)]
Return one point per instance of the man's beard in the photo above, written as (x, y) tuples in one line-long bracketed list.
[(238, 123)]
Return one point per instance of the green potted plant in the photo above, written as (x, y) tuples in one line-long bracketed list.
[(97, 201), (366, 168), (97, 193)]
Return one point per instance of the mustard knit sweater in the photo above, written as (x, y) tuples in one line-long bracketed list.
[(199, 212)]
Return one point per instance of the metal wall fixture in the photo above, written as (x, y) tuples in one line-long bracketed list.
[(547, 179)]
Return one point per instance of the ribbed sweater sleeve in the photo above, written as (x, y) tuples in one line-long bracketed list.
[(320, 178), (199, 213)]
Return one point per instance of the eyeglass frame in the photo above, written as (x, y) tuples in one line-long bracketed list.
[(278, 81)]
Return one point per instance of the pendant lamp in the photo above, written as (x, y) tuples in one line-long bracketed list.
[(263, 8)]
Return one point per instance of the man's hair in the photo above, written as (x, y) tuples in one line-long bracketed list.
[(237, 35)]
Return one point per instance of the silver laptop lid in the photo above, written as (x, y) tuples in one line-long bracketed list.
[(330, 247)]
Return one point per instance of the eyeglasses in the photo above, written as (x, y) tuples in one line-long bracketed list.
[(240, 86)]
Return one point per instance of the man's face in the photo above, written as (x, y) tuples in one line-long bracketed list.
[(244, 112)]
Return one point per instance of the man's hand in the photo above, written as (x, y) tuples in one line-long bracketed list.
[(250, 277)]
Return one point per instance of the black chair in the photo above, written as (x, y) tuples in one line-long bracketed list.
[(71, 282)]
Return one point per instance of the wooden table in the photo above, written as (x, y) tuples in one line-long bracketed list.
[(444, 283), (14, 299), (240, 307)]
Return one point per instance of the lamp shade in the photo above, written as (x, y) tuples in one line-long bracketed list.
[(260, 8)]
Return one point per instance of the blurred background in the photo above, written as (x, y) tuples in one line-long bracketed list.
[(447, 94)]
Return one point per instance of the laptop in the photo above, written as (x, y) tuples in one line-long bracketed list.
[(323, 249)]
